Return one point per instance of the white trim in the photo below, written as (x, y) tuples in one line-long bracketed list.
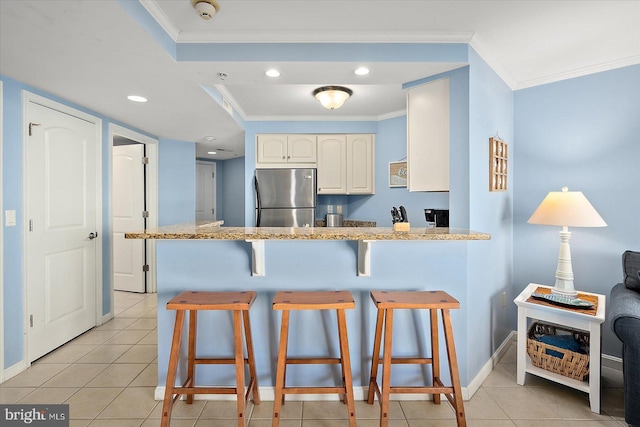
[(611, 362), (107, 317), (1, 246), (151, 191), (28, 97), (267, 394), (579, 72), (481, 376), (14, 370), (320, 36), (494, 63), (162, 19)]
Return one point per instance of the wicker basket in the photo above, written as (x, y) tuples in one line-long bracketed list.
[(573, 365)]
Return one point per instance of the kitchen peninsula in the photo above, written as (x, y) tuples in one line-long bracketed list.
[(317, 258)]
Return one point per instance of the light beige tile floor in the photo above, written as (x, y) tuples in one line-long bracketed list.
[(108, 376)]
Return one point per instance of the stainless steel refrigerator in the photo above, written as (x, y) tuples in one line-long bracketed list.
[(285, 197)]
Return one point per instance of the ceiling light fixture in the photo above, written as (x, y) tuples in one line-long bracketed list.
[(210, 138), (206, 9), (137, 98), (332, 97), (211, 152), (272, 73), (361, 71)]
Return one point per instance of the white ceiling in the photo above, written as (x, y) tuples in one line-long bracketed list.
[(94, 53)]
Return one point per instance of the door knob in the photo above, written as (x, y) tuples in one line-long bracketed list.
[(93, 235)]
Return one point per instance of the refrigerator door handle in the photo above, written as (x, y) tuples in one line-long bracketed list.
[(258, 207)]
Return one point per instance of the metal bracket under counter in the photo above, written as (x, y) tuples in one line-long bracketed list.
[(258, 264)]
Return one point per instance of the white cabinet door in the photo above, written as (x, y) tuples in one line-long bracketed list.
[(332, 164), (272, 149), (360, 164), (301, 149), (428, 136)]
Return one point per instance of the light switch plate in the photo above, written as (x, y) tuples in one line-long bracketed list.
[(10, 218)]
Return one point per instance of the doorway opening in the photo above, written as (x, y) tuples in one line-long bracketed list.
[(134, 207)]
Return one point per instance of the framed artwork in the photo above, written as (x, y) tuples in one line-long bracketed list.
[(397, 174)]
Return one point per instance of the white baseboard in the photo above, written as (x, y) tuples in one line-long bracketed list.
[(106, 318), (14, 370), (359, 393), (611, 362), (476, 382)]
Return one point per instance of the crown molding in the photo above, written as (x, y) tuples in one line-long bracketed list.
[(496, 65), (158, 14), (323, 37), (579, 72), (231, 100)]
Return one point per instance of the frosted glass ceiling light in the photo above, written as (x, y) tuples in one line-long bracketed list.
[(361, 71), (566, 209), (332, 97), (273, 73)]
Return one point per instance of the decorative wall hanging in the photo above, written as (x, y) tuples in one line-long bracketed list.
[(498, 167), (397, 174)]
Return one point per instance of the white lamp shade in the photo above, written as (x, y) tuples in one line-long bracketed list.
[(566, 209)]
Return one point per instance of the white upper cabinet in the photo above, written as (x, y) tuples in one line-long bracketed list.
[(278, 149), (346, 164), (428, 136), (360, 164), (332, 164)]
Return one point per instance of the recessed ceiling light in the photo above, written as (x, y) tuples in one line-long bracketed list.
[(136, 98), (211, 152), (210, 138), (273, 73), (361, 71)]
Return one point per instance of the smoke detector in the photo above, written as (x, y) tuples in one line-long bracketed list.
[(206, 8)]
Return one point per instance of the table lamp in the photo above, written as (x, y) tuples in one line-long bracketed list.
[(566, 209)]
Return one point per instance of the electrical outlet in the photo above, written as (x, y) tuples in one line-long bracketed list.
[(504, 299)]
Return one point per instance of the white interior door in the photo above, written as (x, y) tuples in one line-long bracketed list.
[(61, 157), (205, 191), (128, 205)]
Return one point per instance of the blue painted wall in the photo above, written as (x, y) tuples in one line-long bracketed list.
[(232, 192), (490, 264), (176, 181), (583, 133)]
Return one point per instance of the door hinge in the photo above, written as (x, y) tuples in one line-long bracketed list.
[(145, 160), (145, 267), (30, 225), (145, 214), (31, 320), (31, 125), (213, 174)]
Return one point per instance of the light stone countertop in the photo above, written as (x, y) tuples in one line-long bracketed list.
[(196, 231)]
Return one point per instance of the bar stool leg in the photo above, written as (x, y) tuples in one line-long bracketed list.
[(346, 366), (239, 359), (435, 352), (282, 361), (453, 369), (250, 356), (343, 397), (375, 359), (191, 378), (386, 370), (171, 371)]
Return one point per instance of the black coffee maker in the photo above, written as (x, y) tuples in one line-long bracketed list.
[(437, 217)]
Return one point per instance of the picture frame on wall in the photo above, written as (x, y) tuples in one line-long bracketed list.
[(397, 174)]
